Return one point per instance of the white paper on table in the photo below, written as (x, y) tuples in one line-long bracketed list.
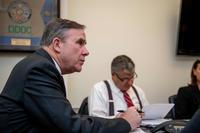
[(138, 130), (157, 110), (152, 123)]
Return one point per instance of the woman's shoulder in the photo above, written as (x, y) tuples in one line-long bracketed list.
[(188, 88)]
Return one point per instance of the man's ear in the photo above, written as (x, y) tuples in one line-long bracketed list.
[(112, 73), (57, 44)]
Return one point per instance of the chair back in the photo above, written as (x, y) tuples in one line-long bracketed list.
[(172, 99), (83, 110)]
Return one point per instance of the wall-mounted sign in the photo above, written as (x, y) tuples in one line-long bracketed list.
[(23, 21)]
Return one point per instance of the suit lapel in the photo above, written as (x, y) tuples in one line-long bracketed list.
[(43, 53)]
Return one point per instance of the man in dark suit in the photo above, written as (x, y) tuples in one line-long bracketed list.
[(34, 98), (193, 125)]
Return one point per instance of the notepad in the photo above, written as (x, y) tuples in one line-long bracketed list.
[(156, 111)]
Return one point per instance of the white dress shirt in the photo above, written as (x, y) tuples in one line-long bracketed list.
[(98, 99), (57, 66)]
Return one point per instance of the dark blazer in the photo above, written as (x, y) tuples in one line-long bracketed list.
[(193, 125), (187, 102), (34, 101)]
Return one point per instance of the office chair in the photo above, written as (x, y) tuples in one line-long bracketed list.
[(83, 110), (172, 99)]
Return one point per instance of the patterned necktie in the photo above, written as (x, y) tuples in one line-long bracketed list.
[(127, 99)]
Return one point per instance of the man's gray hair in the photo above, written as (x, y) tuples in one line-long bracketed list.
[(122, 62), (57, 28)]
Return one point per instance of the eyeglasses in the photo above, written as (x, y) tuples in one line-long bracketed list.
[(126, 79)]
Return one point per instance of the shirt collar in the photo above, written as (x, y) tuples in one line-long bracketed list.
[(57, 66), (116, 89)]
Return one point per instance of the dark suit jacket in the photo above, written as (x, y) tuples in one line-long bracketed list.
[(193, 125), (187, 102), (33, 101)]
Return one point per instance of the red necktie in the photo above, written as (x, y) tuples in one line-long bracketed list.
[(127, 99)]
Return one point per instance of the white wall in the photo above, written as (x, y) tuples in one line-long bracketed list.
[(145, 30)]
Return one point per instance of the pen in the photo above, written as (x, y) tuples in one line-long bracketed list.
[(140, 111), (120, 111)]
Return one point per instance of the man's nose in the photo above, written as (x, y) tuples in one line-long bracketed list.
[(130, 82), (85, 51)]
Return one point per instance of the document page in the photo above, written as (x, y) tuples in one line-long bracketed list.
[(156, 111), (138, 130), (153, 123)]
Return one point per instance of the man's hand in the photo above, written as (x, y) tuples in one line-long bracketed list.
[(132, 116)]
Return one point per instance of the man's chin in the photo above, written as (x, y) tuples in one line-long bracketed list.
[(73, 70), (79, 69)]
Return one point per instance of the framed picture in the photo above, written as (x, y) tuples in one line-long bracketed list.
[(23, 21)]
